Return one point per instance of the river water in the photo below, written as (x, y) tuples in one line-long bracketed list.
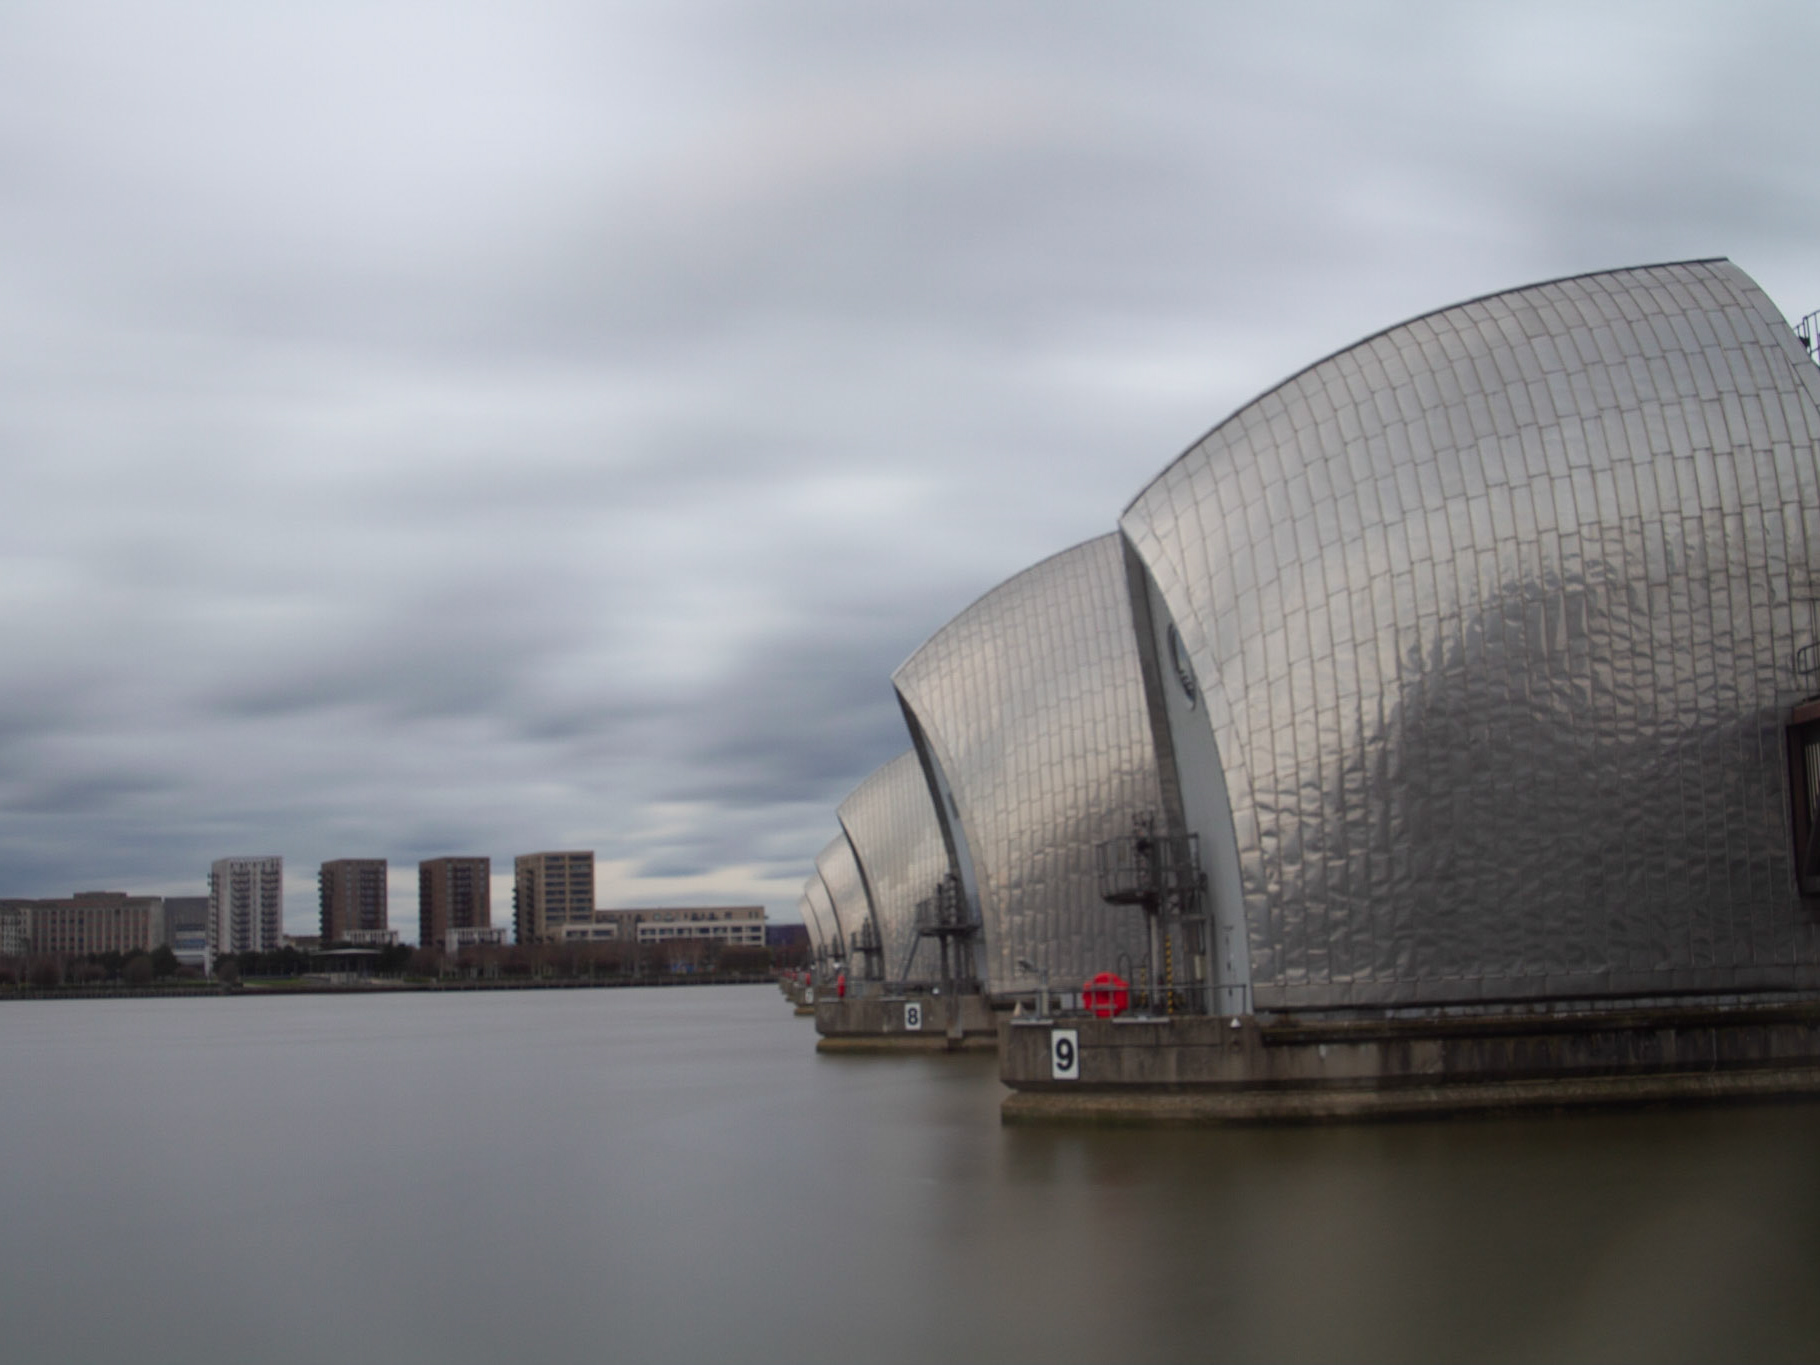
[(675, 1175)]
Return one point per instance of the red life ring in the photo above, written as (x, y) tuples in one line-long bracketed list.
[(1107, 996)]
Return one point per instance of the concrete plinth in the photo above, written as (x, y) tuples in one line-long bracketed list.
[(800, 994), (1222, 1070), (889, 1023)]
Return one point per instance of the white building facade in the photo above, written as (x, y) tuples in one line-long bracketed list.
[(246, 905)]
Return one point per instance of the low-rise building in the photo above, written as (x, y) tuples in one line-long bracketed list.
[(15, 928), (186, 929), (457, 937), (734, 924), (595, 930), (97, 922), (788, 938), (370, 938)]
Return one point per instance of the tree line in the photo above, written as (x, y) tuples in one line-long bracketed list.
[(546, 961), (137, 968)]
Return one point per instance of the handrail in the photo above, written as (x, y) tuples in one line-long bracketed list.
[(1807, 332)]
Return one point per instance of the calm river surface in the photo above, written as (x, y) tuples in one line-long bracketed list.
[(665, 1175)]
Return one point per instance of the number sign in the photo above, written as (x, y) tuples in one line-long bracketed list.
[(913, 1016), (1064, 1054)]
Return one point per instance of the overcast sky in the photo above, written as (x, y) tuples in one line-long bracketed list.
[(486, 427)]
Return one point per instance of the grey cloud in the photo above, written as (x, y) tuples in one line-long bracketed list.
[(85, 794), (558, 438)]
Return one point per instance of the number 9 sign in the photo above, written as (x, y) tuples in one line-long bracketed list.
[(1064, 1054)]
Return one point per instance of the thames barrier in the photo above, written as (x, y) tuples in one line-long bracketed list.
[(1439, 732)]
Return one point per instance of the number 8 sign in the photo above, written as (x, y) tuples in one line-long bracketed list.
[(1064, 1054), (913, 1016)]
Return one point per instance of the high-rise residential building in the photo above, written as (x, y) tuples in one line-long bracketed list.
[(246, 905), (452, 893), (353, 897), (549, 891)]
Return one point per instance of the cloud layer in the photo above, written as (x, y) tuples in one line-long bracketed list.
[(484, 428)]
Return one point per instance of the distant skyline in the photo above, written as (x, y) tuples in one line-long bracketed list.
[(508, 428)]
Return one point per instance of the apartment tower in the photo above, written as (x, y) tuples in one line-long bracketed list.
[(246, 905), (453, 893), (353, 894), (550, 890)]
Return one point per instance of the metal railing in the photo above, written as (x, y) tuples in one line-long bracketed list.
[(1071, 1003), (1807, 661), (1147, 868), (946, 912), (1807, 332), (947, 917), (1161, 875)]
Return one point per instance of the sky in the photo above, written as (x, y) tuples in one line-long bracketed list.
[(486, 428)]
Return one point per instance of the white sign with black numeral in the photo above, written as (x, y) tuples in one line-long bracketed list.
[(1064, 1054), (913, 1016)]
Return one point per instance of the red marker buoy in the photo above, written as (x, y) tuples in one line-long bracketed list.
[(1107, 996)]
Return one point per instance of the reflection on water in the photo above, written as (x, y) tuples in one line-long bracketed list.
[(1642, 1237), (675, 1175)]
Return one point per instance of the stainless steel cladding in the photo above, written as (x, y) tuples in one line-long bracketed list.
[(840, 873), (1029, 710), (816, 892), (1491, 618), (818, 939), (890, 821)]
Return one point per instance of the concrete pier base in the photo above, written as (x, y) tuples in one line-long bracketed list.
[(800, 994), (1204, 1070), (892, 1023)]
